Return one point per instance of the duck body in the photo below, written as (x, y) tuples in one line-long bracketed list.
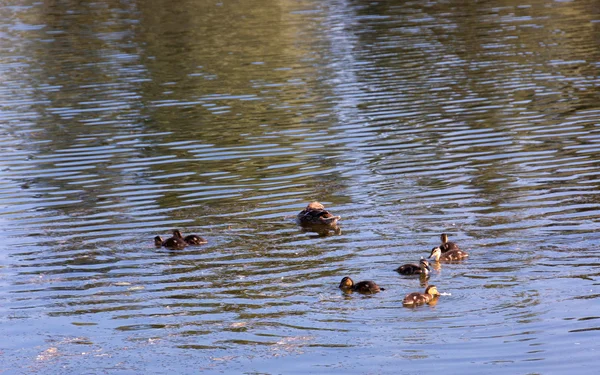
[(448, 256), (413, 269), (174, 243), (446, 245), (191, 239), (417, 299), (315, 214), (366, 287)]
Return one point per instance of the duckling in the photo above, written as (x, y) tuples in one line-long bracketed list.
[(315, 214), (174, 243), (191, 239), (413, 269), (448, 256), (367, 287), (447, 246), (416, 298)]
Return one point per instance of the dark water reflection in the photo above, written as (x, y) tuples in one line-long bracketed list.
[(123, 120)]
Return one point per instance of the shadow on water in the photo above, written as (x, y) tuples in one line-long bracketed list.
[(124, 120)]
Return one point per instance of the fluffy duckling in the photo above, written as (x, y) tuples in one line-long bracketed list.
[(413, 269), (191, 239), (446, 245), (448, 256), (174, 243), (367, 287), (416, 298), (315, 214)]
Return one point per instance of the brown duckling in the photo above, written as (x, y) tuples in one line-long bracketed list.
[(413, 269), (315, 214), (416, 298), (174, 243), (446, 245), (448, 256), (191, 239), (367, 287)]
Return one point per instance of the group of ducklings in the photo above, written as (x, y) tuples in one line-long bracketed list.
[(316, 218), (178, 241), (446, 252)]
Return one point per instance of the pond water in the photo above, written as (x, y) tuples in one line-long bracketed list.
[(122, 120)]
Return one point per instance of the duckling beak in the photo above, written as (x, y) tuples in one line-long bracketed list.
[(428, 268)]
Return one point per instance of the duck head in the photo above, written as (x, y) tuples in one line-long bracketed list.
[(424, 264), (432, 290), (315, 206), (436, 252), (346, 283)]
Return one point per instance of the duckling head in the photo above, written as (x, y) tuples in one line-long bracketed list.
[(158, 241), (424, 264), (346, 283), (432, 290), (177, 233), (436, 252), (444, 237)]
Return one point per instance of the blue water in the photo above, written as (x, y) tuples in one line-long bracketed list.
[(123, 120)]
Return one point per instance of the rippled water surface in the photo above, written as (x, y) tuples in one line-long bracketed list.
[(123, 120)]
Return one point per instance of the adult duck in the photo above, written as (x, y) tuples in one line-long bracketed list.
[(316, 214)]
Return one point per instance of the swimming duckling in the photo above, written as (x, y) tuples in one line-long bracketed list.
[(416, 298), (413, 269), (315, 214), (367, 287), (191, 239), (447, 246), (448, 256), (174, 243)]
